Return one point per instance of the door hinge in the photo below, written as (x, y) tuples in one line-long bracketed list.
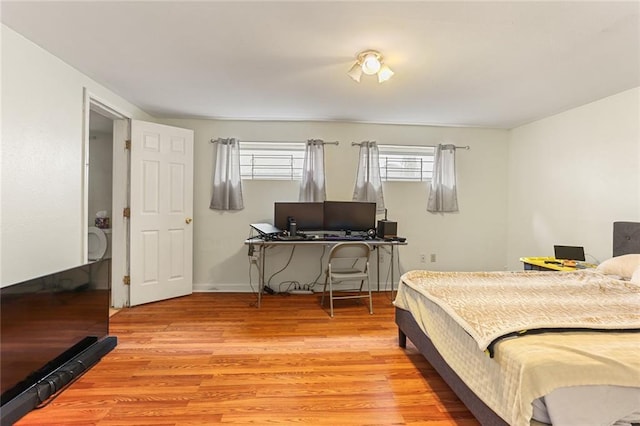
[(126, 280), (126, 212), (127, 144)]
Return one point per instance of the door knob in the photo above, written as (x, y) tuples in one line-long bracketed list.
[(188, 220)]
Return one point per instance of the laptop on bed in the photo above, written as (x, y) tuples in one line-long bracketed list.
[(569, 253)]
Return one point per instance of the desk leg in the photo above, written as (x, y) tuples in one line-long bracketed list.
[(263, 251), (378, 268), (392, 269)]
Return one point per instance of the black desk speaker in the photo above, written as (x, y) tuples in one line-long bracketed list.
[(387, 229)]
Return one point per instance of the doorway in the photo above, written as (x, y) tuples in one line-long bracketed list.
[(100, 194), (106, 183), (159, 201)]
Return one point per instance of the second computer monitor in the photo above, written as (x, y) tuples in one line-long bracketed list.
[(349, 216), (308, 216)]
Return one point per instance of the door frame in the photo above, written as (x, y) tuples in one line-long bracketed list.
[(120, 192)]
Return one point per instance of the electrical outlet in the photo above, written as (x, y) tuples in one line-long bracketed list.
[(423, 258), (433, 257)]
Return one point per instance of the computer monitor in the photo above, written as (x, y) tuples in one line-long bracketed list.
[(308, 216), (349, 216)]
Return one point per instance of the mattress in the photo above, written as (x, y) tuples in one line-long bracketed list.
[(532, 367)]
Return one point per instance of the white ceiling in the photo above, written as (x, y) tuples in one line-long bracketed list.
[(490, 64)]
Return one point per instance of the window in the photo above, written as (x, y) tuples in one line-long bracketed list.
[(284, 161), (406, 163), (271, 160)]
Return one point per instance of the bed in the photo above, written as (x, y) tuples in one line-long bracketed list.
[(543, 367)]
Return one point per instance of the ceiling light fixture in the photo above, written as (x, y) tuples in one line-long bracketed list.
[(370, 62)]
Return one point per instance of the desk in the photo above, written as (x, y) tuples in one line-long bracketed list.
[(538, 264), (263, 245)]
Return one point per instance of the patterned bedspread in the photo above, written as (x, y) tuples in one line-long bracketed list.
[(491, 305)]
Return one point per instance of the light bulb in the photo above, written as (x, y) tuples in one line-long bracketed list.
[(384, 74), (370, 64)]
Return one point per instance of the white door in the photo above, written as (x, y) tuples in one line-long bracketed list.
[(161, 205)]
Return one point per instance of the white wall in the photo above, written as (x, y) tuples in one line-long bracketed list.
[(100, 174), (474, 239), (42, 178), (42, 159), (572, 175), (563, 179)]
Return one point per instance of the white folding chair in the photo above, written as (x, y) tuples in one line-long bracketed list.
[(348, 261)]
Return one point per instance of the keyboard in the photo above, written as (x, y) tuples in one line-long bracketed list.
[(290, 238), (343, 238)]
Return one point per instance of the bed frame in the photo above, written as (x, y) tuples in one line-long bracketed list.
[(626, 240), (407, 327)]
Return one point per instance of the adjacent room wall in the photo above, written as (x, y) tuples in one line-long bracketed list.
[(473, 239), (572, 175), (100, 175), (42, 159)]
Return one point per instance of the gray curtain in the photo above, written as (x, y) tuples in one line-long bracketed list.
[(443, 196), (368, 182), (312, 186), (227, 184)]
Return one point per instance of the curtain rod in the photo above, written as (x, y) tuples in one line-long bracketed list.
[(467, 147), (323, 142)]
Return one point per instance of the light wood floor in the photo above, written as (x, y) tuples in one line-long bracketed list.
[(212, 358)]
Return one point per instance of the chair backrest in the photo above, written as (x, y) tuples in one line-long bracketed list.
[(350, 250)]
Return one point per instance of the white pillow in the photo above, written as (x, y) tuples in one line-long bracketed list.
[(635, 278), (624, 265)]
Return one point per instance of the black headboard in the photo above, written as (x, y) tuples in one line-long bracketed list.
[(626, 238)]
